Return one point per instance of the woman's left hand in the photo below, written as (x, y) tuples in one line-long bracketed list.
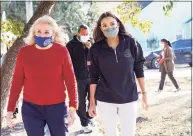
[(71, 116), (161, 61), (144, 102)]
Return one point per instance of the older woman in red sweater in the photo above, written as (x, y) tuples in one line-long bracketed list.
[(44, 70)]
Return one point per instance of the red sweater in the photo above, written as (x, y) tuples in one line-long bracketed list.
[(45, 75)]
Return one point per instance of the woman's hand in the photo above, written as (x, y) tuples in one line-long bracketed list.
[(161, 61), (92, 108), (71, 116), (144, 102), (156, 55), (9, 119)]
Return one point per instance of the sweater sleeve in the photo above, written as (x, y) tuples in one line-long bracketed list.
[(70, 80), (93, 66), (139, 59), (17, 83)]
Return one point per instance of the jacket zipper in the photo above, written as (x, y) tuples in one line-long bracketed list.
[(116, 55)]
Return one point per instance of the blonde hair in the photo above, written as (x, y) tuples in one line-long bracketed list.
[(58, 32)]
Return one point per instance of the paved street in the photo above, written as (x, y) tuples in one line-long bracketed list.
[(152, 76), (180, 71)]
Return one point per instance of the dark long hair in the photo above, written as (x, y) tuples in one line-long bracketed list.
[(98, 34), (166, 42)]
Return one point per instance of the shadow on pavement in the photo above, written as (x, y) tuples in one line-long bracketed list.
[(76, 133), (19, 127), (141, 119)]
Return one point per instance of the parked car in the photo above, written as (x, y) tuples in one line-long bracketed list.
[(182, 50)]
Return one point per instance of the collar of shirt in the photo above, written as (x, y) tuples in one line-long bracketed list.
[(122, 40)]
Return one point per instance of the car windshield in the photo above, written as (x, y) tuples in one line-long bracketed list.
[(181, 44)]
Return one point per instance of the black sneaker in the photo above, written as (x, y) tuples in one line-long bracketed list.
[(177, 90), (158, 90)]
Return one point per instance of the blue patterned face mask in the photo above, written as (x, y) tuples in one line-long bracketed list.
[(43, 41)]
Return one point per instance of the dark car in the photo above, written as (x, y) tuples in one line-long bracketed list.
[(182, 50)]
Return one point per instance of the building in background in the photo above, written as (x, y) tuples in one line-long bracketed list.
[(186, 31), (177, 26)]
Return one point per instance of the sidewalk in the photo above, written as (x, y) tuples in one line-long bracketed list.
[(163, 106)]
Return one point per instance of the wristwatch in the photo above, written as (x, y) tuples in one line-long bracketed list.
[(72, 108)]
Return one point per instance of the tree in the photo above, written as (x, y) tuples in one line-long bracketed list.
[(129, 11), (9, 30), (8, 64), (0, 51), (152, 43), (16, 10), (73, 14), (92, 15), (70, 15), (13, 25), (168, 7)]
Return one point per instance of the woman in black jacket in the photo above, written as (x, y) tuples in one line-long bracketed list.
[(115, 59)]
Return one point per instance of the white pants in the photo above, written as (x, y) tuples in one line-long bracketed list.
[(127, 114)]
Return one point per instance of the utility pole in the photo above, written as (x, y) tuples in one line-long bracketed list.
[(29, 10)]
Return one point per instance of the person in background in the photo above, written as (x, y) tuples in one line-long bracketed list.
[(166, 61), (115, 59), (78, 48), (44, 69)]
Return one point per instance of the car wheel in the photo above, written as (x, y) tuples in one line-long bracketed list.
[(190, 64), (155, 64)]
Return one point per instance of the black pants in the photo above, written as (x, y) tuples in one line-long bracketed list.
[(84, 95), (35, 117), (170, 75)]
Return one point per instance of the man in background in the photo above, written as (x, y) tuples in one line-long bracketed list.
[(78, 48)]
